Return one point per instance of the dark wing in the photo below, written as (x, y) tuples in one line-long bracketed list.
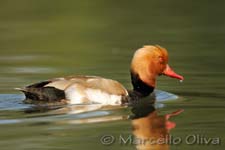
[(38, 92)]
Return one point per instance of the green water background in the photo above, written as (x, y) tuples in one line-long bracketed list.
[(42, 39)]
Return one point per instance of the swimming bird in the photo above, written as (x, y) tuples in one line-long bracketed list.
[(147, 63)]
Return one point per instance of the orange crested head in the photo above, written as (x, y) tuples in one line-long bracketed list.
[(149, 62)]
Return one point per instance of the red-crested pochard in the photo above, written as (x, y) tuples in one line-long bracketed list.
[(147, 63)]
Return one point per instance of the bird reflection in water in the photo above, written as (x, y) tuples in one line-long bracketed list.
[(151, 130)]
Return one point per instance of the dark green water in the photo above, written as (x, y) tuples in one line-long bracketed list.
[(44, 39)]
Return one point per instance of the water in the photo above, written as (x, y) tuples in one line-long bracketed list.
[(41, 40)]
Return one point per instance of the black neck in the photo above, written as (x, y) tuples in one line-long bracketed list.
[(139, 87)]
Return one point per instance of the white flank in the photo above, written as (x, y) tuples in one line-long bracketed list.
[(73, 94), (98, 96), (77, 96)]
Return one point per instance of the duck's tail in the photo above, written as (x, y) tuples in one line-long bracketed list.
[(48, 94)]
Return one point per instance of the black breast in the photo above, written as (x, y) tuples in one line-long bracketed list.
[(139, 86)]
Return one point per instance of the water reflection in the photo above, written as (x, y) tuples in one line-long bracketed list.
[(92, 113), (151, 130)]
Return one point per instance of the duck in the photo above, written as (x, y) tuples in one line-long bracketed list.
[(147, 63)]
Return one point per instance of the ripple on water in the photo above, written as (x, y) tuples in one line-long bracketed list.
[(29, 70), (23, 58), (163, 96), (11, 104), (14, 101)]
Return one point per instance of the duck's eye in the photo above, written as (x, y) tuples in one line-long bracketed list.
[(161, 60)]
